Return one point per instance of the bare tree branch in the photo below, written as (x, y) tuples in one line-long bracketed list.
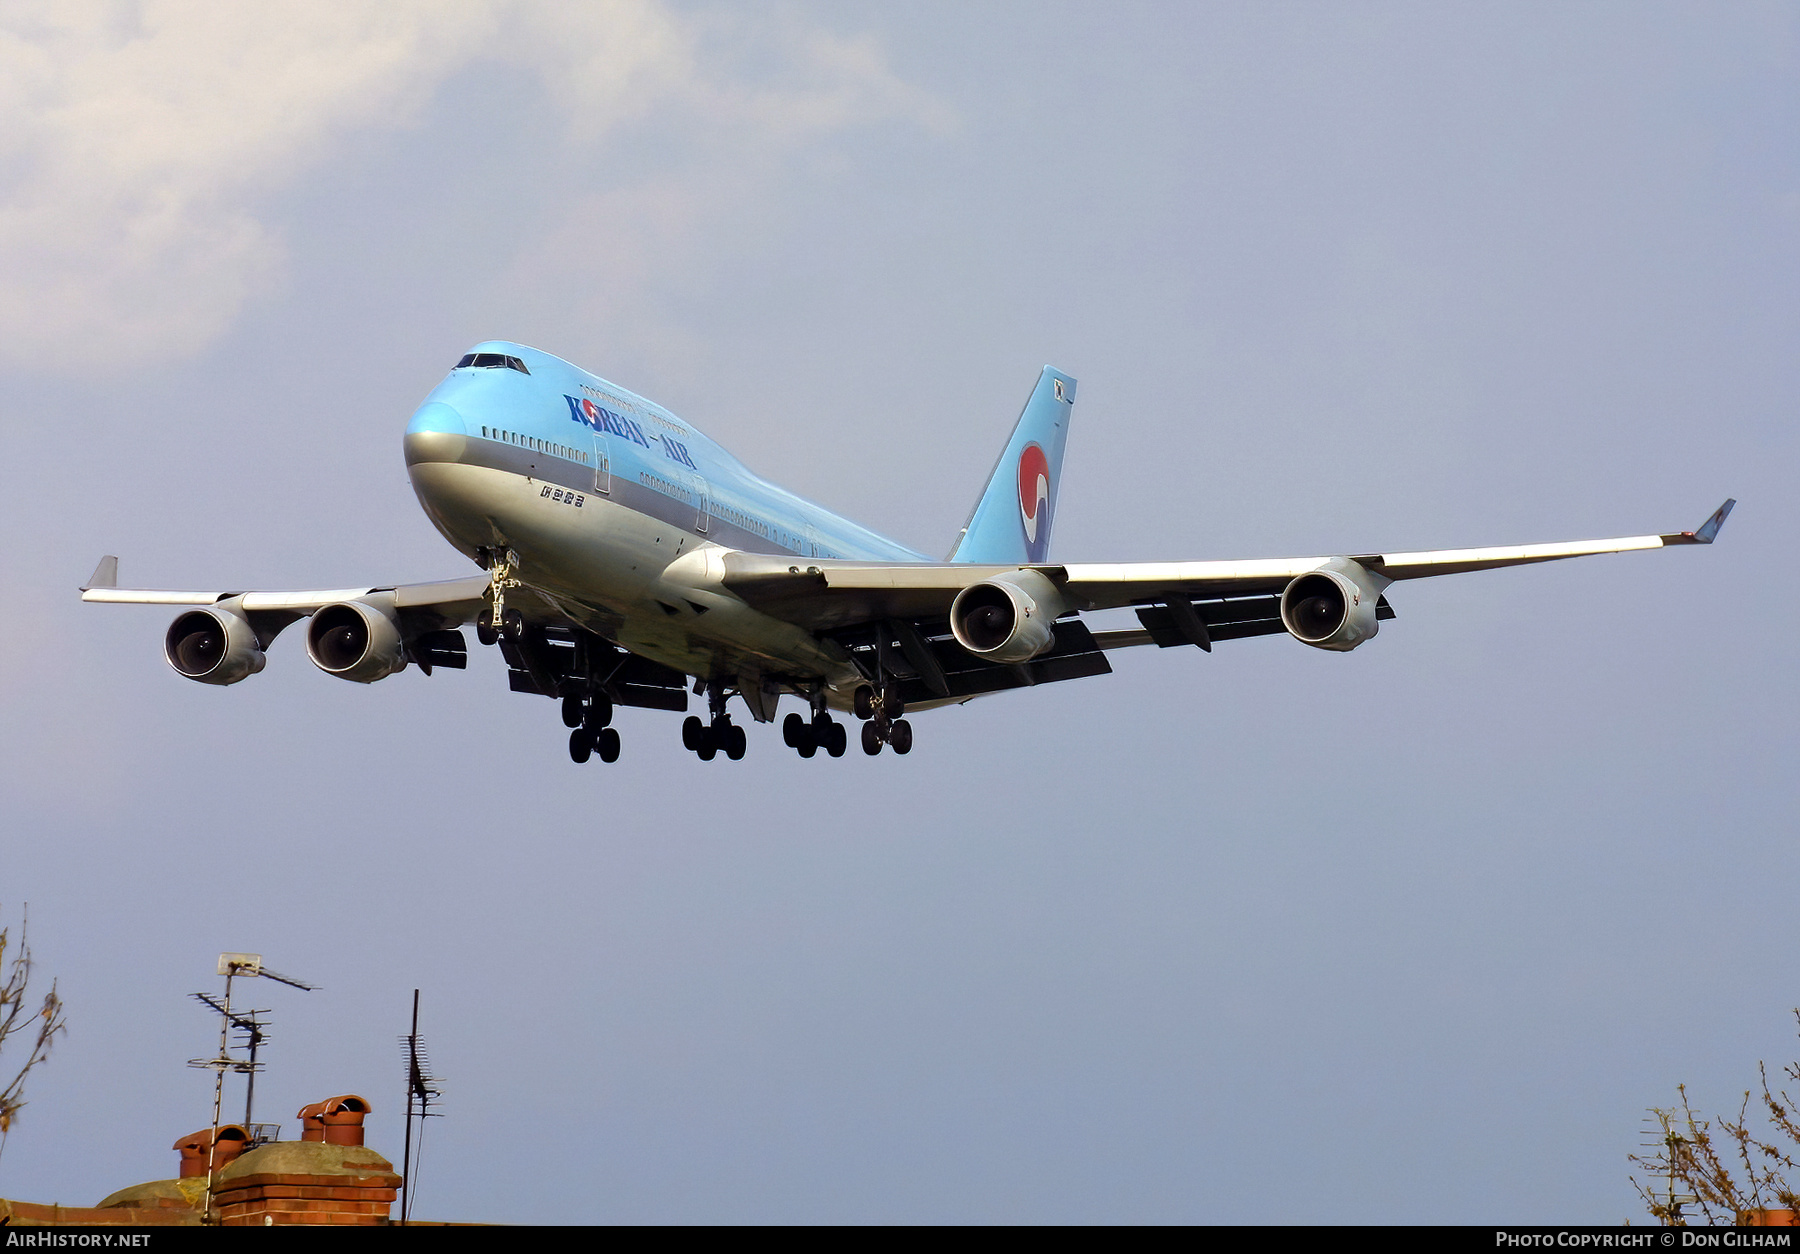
[(1693, 1173), (41, 1025)]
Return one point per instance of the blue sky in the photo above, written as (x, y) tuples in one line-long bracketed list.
[(1411, 934)]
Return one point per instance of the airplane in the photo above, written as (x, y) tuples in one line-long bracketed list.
[(628, 560)]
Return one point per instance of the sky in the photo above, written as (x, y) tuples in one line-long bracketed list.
[(1412, 934)]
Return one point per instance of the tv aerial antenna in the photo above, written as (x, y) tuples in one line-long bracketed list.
[(421, 1091), (250, 1023)]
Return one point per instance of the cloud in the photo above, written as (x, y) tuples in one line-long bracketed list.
[(143, 139)]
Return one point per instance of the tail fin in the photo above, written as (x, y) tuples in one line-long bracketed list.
[(1011, 522)]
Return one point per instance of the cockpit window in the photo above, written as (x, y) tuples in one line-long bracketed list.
[(491, 361)]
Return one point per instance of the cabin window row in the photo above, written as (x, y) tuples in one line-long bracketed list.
[(532, 442), (748, 523), (665, 487)]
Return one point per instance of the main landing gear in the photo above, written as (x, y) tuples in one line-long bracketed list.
[(589, 717), (707, 739), (807, 738), (882, 722)]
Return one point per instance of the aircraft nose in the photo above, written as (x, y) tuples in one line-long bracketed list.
[(437, 433)]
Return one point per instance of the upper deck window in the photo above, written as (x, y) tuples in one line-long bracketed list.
[(491, 361)]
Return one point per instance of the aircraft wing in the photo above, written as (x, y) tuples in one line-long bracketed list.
[(448, 599), (827, 594)]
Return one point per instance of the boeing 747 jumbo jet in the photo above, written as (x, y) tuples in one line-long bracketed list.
[(630, 560)]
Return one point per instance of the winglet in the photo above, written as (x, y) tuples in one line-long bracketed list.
[(1707, 532), (106, 574)]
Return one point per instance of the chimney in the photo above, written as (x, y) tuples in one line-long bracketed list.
[(330, 1177)]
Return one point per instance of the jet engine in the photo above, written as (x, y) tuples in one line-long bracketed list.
[(1010, 618), (214, 646), (1333, 608), (356, 640)]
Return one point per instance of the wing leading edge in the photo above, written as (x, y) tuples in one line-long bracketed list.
[(459, 599)]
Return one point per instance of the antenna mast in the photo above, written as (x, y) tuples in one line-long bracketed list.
[(249, 1022), (422, 1089)]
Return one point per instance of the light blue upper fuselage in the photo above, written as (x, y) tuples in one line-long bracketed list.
[(565, 414)]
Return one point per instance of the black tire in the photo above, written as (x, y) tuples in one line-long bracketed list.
[(892, 707), (484, 632), (599, 713), (809, 746), (864, 701), (572, 710), (513, 624), (693, 733), (793, 731), (709, 744), (736, 743), (606, 744), (901, 736), (839, 741), (871, 738), (580, 745)]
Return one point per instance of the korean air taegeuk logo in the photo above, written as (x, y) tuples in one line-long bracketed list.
[(1034, 501)]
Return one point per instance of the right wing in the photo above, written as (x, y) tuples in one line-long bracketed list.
[(451, 601)]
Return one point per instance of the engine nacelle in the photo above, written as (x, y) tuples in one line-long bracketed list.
[(1333, 608), (215, 645), (356, 640), (1010, 618)]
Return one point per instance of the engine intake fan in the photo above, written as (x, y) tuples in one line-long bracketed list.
[(215, 645), (1333, 608), (1010, 618), (356, 640)]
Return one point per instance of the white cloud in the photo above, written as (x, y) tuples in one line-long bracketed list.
[(143, 138)]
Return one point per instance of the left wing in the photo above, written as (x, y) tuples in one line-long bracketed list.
[(825, 594), (947, 631)]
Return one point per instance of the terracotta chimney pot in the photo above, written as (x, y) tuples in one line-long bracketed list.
[(233, 1140), (335, 1121), (312, 1122)]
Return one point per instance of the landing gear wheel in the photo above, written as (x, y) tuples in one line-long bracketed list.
[(512, 623), (839, 739), (580, 745), (693, 733), (484, 630), (808, 745), (606, 744), (599, 713), (572, 710), (864, 701), (901, 736), (891, 704), (793, 731), (871, 738), (708, 748), (735, 742)]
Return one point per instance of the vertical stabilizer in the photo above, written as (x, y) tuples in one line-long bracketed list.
[(1012, 520)]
